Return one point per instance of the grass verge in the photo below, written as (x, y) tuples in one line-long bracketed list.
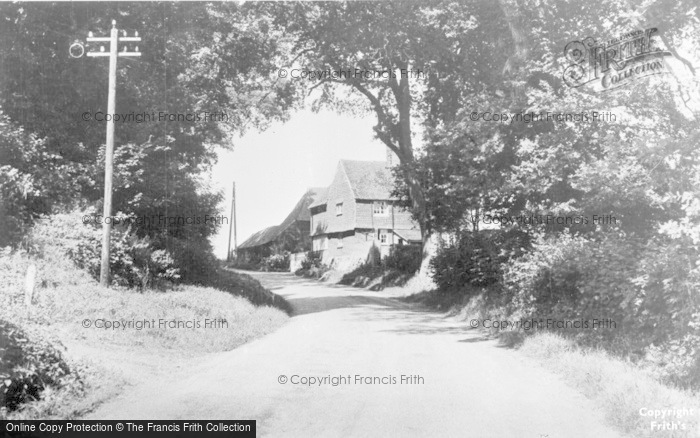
[(632, 400), (78, 338), (628, 394)]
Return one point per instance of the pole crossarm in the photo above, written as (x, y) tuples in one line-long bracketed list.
[(113, 54), (96, 54), (110, 39)]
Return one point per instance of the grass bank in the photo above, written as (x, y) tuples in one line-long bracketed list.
[(79, 343), (630, 395), (631, 399)]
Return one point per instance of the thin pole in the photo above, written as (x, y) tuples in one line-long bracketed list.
[(230, 225), (235, 225), (109, 156)]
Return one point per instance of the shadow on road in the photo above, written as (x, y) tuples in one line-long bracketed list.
[(309, 296)]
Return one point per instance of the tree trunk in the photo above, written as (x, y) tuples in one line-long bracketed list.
[(397, 137), (415, 190)]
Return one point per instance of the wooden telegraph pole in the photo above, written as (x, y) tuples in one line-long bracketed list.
[(232, 226), (113, 54)]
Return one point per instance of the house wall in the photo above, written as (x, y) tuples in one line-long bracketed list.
[(396, 218), (358, 227), (354, 251), (338, 191), (295, 261)]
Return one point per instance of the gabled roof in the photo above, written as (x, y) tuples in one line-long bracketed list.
[(412, 235), (321, 197), (300, 212), (260, 238), (369, 179)]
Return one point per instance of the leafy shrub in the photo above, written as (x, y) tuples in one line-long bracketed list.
[(476, 259), (648, 288), (133, 261), (396, 268), (312, 265), (405, 259), (32, 179), (27, 367), (277, 262), (194, 259), (314, 259)]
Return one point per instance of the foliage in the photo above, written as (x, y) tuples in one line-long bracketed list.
[(277, 262), (133, 261), (475, 259), (313, 259), (405, 62), (27, 366), (312, 265), (247, 287), (32, 180), (405, 259), (647, 288), (200, 59), (396, 268)]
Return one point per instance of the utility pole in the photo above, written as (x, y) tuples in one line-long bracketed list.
[(113, 54), (232, 226)]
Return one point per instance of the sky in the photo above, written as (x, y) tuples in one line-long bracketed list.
[(274, 168)]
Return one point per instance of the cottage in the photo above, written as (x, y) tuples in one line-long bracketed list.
[(357, 212)]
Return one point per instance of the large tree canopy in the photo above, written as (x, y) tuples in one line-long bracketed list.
[(196, 58)]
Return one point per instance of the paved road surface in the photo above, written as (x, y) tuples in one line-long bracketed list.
[(470, 387)]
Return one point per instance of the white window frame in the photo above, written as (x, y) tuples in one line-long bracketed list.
[(384, 238), (338, 208), (324, 243), (380, 208), (339, 244)]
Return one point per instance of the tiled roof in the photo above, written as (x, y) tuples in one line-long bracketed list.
[(369, 179), (412, 235), (300, 212), (260, 238), (321, 197)]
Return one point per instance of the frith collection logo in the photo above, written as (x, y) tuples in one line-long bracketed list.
[(616, 62)]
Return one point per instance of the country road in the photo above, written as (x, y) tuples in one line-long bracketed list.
[(468, 386)]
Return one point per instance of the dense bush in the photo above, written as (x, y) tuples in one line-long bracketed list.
[(475, 259), (402, 262), (648, 288), (133, 261), (313, 259), (32, 180), (27, 367), (312, 265), (405, 259), (277, 262)]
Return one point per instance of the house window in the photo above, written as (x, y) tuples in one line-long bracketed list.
[(340, 243), (338, 208), (380, 208), (384, 238), (324, 243)]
